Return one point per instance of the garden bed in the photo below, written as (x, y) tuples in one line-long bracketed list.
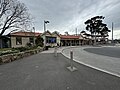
[(10, 56)]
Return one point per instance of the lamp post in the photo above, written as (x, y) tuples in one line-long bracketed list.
[(34, 36), (95, 34), (95, 37), (45, 22)]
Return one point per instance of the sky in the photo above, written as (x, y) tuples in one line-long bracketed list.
[(67, 15)]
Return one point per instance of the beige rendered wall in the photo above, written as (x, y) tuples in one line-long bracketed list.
[(25, 40), (58, 40)]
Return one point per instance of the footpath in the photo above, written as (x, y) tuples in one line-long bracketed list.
[(45, 71)]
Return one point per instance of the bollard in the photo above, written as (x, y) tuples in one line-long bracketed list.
[(71, 67), (55, 51), (71, 59)]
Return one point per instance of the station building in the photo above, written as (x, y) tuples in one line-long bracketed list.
[(21, 38)]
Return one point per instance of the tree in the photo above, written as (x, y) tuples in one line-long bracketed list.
[(39, 41), (56, 32), (13, 15), (66, 33), (96, 26)]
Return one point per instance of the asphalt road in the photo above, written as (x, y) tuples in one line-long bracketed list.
[(106, 51), (44, 71), (103, 62)]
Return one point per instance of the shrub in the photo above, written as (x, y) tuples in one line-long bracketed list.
[(8, 52), (21, 49), (39, 41), (29, 45)]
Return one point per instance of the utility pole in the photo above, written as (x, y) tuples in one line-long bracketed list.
[(112, 32), (95, 38), (76, 31)]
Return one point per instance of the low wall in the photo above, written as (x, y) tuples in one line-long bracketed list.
[(12, 57)]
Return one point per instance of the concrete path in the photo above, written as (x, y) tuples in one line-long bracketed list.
[(103, 63), (52, 50), (44, 71)]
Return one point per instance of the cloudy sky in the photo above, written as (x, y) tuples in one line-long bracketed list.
[(66, 15)]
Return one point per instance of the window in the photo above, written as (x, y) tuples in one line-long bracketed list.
[(31, 40), (51, 39), (18, 40)]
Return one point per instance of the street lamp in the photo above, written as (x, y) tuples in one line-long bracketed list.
[(95, 37), (45, 22), (95, 34), (34, 35)]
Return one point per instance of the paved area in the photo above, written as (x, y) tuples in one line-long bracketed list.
[(52, 50), (96, 59), (44, 71)]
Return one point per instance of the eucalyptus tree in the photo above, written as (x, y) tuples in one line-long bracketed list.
[(96, 27)]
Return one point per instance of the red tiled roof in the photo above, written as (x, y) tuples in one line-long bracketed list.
[(25, 34), (69, 37)]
